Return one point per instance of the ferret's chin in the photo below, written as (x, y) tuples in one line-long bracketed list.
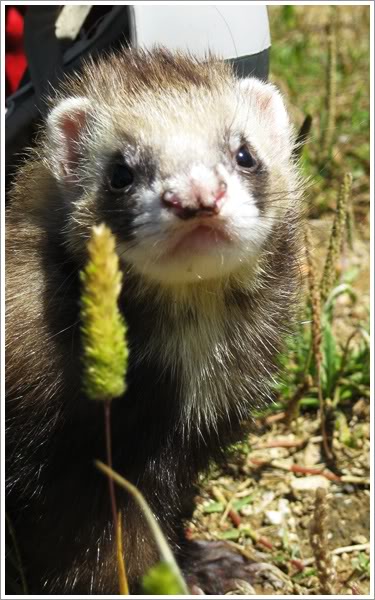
[(192, 269), (199, 255)]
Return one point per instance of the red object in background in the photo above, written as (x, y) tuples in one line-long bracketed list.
[(15, 59)]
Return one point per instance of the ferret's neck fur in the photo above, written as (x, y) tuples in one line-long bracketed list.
[(219, 337)]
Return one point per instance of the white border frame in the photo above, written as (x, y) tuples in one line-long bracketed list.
[(372, 266)]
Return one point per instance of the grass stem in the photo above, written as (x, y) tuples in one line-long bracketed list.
[(108, 442)]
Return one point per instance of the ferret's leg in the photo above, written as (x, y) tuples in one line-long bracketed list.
[(216, 568)]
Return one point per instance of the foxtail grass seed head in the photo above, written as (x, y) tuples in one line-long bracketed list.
[(105, 352), (319, 544), (331, 94), (314, 298), (337, 236), (316, 331)]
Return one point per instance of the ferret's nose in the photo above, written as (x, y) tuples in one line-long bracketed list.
[(201, 201)]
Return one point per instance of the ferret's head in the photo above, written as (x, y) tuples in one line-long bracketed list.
[(189, 166)]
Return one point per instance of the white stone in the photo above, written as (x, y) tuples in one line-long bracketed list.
[(307, 484)]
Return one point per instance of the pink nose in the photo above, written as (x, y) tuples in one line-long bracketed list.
[(200, 202)]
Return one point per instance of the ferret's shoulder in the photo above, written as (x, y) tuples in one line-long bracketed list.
[(32, 187)]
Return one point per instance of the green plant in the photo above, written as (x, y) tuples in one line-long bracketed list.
[(345, 370), (105, 351), (361, 564), (166, 575)]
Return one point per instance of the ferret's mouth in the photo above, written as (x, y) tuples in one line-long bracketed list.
[(200, 239), (189, 252)]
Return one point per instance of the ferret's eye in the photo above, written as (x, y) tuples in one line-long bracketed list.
[(245, 159), (121, 177)]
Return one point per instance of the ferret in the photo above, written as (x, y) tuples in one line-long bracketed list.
[(192, 169)]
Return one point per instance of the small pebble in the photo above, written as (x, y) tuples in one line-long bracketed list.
[(274, 517), (307, 484), (359, 539)]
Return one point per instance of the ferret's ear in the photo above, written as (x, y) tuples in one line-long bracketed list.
[(269, 104), (65, 127)]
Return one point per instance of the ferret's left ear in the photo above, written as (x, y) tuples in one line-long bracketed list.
[(267, 102), (66, 125)]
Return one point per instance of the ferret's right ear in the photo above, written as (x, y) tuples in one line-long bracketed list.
[(65, 127), (268, 104)]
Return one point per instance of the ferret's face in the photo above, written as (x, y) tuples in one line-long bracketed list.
[(190, 180)]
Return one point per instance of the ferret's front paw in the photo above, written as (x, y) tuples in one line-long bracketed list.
[(217, 568)]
